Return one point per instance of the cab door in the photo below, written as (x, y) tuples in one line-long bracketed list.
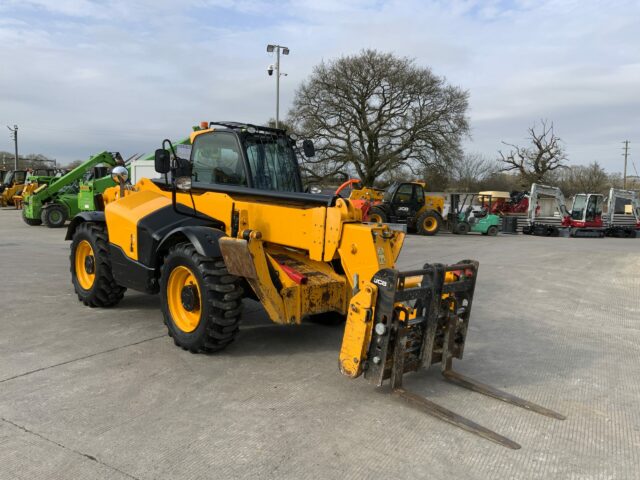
[(593, 211), (405, 202)]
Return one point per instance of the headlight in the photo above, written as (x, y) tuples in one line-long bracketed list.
[(183, 183)]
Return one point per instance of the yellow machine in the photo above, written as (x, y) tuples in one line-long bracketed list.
[(408, 203), (12, 185), (233, 222)]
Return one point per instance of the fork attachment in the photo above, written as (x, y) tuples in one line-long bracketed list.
[(421, 318)]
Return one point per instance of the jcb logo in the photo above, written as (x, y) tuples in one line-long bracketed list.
[(379, 281)]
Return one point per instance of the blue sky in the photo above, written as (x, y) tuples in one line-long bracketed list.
[(80, 76)]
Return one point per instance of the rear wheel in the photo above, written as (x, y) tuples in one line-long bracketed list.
[(492, 231), (201, 301), (428, 223), (377, 215), (30, 221), (54, 216), (91, 273)]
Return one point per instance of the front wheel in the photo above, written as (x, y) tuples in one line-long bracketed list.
[(428, 223), (91, 273), (377, 215), (463, 228), (201, 302), (54, 216), (492, 231)]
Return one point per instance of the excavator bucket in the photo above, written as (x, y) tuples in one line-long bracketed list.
[(421, 319)]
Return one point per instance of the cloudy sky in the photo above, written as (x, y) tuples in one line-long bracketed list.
[(81, 76)]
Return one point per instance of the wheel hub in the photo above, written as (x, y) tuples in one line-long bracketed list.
[(190, 298), (89, 264)]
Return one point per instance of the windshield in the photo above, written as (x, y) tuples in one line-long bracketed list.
[(8, 178), (577, 210), (16, 177), (272, 163)]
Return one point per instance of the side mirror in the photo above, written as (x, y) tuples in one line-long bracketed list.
[(120, 174), (308, 149), (162, 161)]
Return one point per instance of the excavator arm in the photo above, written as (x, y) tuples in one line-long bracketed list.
[(555, 192)]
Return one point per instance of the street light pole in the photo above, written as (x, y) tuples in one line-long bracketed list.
[(285, 51), (277, 86), (14, 137)]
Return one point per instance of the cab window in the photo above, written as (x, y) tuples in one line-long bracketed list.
[(404, 193), (20, 177), (216, 159)]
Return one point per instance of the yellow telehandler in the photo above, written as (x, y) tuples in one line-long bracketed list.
[(233, 221)]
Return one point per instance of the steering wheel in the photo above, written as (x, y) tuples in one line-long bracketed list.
[(348, 183)]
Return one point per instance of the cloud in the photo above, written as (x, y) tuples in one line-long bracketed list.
[(81, 76)]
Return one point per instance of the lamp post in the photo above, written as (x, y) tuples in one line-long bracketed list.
[(14, 137), (270, 70)]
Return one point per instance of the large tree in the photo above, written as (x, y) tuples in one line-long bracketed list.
[(374, 113), (535, 162)]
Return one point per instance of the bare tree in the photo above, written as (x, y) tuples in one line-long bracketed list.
[(374, 112), (590, 178), (535, 162), (470, 170)]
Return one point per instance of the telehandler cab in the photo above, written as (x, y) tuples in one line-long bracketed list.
[(233, 221)]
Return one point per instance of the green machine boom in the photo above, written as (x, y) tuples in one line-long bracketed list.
[(54, 203)]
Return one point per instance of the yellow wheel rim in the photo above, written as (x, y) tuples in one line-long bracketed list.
[(85, 265), (375, 218), (429, 224), (184, 299)]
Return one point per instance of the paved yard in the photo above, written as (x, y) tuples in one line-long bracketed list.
[(88, 393)]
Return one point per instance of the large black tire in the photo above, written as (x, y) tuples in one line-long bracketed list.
[(103, 291), (30, 221), (215, 298), (428, 223), (54, 216), (463, 228), (492, 231), (377, 215)]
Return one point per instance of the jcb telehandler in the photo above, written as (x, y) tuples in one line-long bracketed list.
[(233, 222), (407, 203)]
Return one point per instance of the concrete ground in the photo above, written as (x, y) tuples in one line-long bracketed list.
[(89, 393)]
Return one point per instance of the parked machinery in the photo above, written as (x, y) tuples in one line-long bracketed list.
[(361, 197), (508, 203), (54, 203), (583, 220), (408, 203), (14, 182), (615, 227), (471, 212), (233, 222)]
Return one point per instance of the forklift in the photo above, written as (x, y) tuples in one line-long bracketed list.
[(471, 212)]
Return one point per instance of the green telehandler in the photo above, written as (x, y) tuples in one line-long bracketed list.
[(54, 203)]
